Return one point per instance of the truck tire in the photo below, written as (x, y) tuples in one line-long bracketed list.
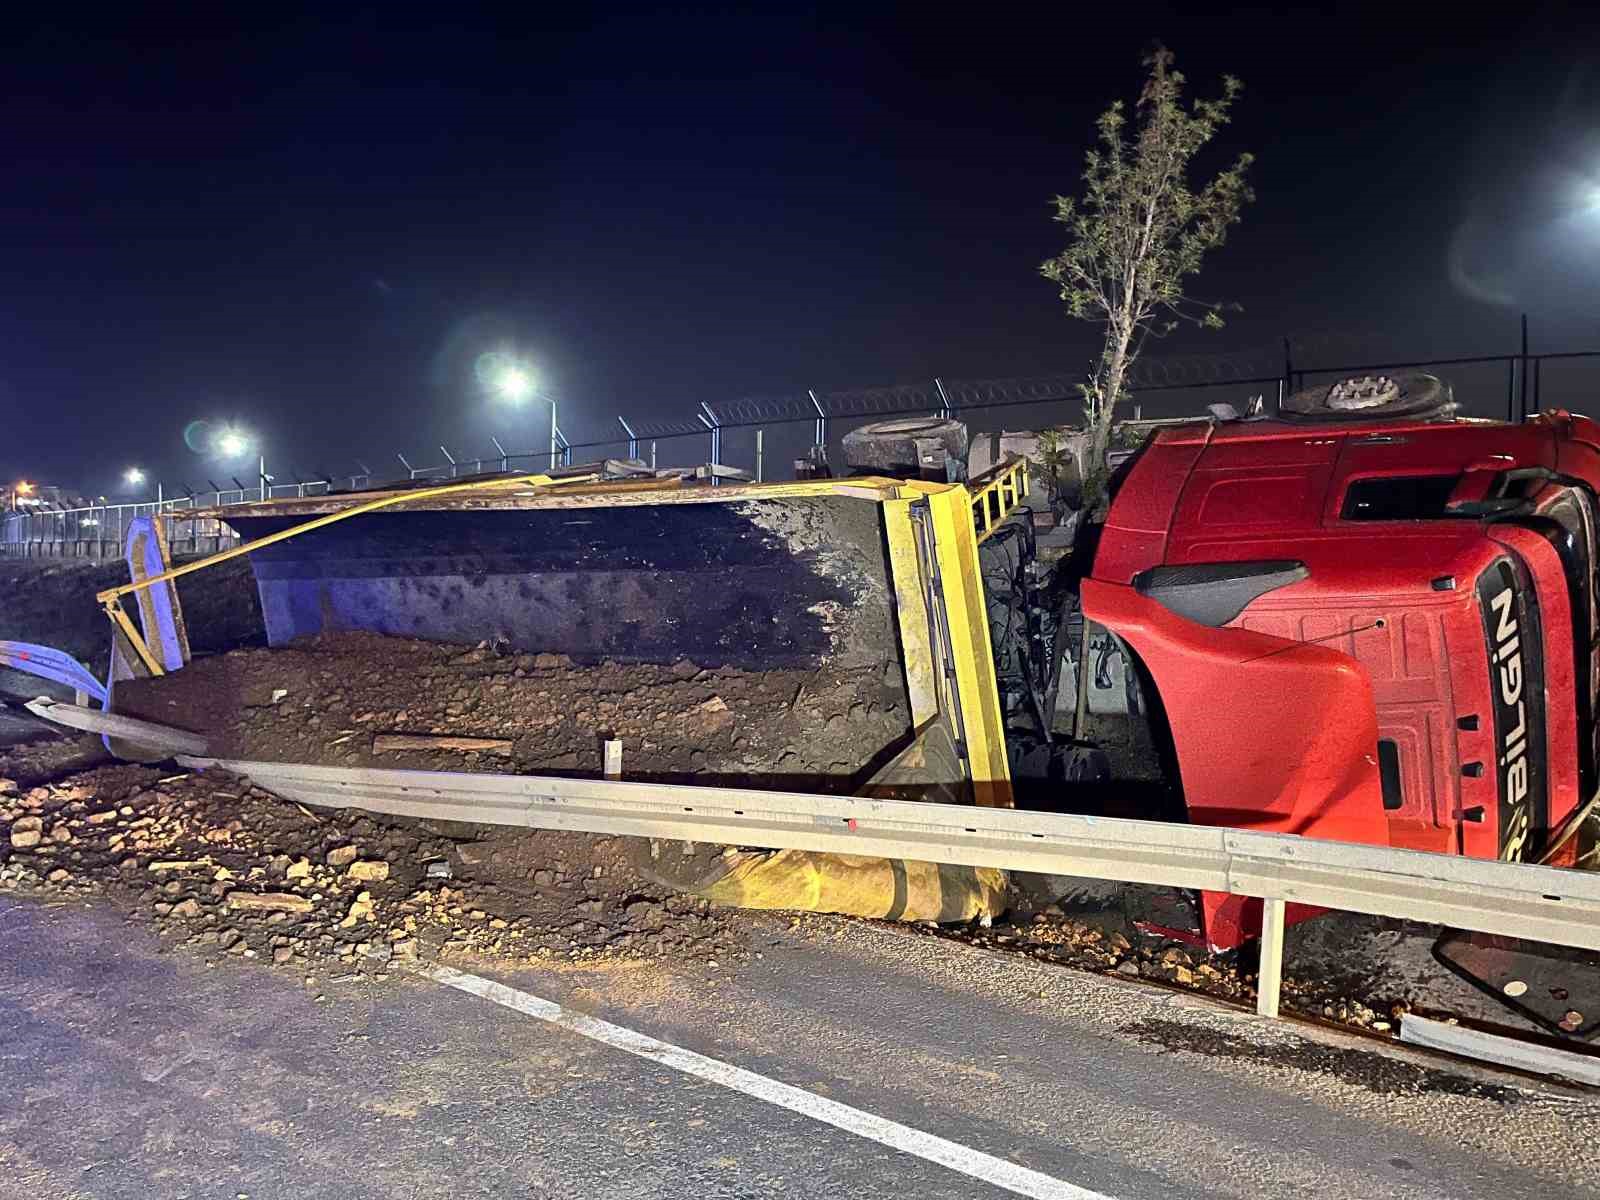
[(901, 446), (1373, 398)]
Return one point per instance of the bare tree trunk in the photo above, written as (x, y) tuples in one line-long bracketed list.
[(1105, 414)]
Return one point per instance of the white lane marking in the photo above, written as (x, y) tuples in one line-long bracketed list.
[(952, 1155)]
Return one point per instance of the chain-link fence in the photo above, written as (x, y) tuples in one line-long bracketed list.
[(769, 436)]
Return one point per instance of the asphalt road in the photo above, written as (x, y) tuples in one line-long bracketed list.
[(132, 1072)]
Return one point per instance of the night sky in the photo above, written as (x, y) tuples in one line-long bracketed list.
[(313, 225)]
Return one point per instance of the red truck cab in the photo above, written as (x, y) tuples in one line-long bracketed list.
[(1378, 630)]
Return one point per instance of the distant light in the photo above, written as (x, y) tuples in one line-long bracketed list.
[(231, 443), (514, 384), (24, 488), (133, 477)]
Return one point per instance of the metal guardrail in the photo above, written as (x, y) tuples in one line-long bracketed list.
[(1555, 905), (1544, 904)]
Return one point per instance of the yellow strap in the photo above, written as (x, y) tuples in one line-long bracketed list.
[(326, 519)]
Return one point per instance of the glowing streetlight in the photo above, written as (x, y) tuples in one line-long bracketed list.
[(514, 383), (133, 477), (231, 443)]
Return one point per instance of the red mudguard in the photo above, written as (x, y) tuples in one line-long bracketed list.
[(1272, 735)]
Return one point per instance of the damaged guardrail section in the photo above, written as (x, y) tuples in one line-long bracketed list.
[(1544, 904)]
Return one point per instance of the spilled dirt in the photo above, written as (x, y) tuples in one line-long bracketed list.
[(332, 699), (230, 870)]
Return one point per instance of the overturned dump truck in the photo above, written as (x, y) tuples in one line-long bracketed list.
[(1365, 618)]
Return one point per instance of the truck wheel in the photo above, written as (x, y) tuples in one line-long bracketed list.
[(909, 445), (1372, 398)]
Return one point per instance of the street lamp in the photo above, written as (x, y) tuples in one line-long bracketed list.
[(133, 477), (514, 382), (231, 443)]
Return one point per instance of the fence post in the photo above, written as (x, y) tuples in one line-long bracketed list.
[(1288, 373), (633, 442), (944, 400), (709, 420), (450, 460), (1522, 405), (759, 448)]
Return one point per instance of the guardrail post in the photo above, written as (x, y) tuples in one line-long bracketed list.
[(944, 400), (759, 449), (1269, 977), (633, 442), (450, 460)]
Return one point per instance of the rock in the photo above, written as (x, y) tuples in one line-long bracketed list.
[(1128, 967), (58, 875), (551, 662), (269, 901), (543, 877), (714, 705), (1182, 974), (299, 869), (100, 818), (439, 868), (360, 910), (188, 909), (27, 832), (278, 694), (368, 871), (684, 669), (342, 856), (282, 955), (404, 948), (8, 787), (1174, 957)]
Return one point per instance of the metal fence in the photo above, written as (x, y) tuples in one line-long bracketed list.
[(757, 433)]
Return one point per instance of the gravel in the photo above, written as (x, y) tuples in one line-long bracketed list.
[(228, 869)]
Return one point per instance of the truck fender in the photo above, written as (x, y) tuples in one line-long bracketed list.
[(1270, 734)]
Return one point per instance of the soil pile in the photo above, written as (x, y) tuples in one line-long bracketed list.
[(231, 870), (331, 700)]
